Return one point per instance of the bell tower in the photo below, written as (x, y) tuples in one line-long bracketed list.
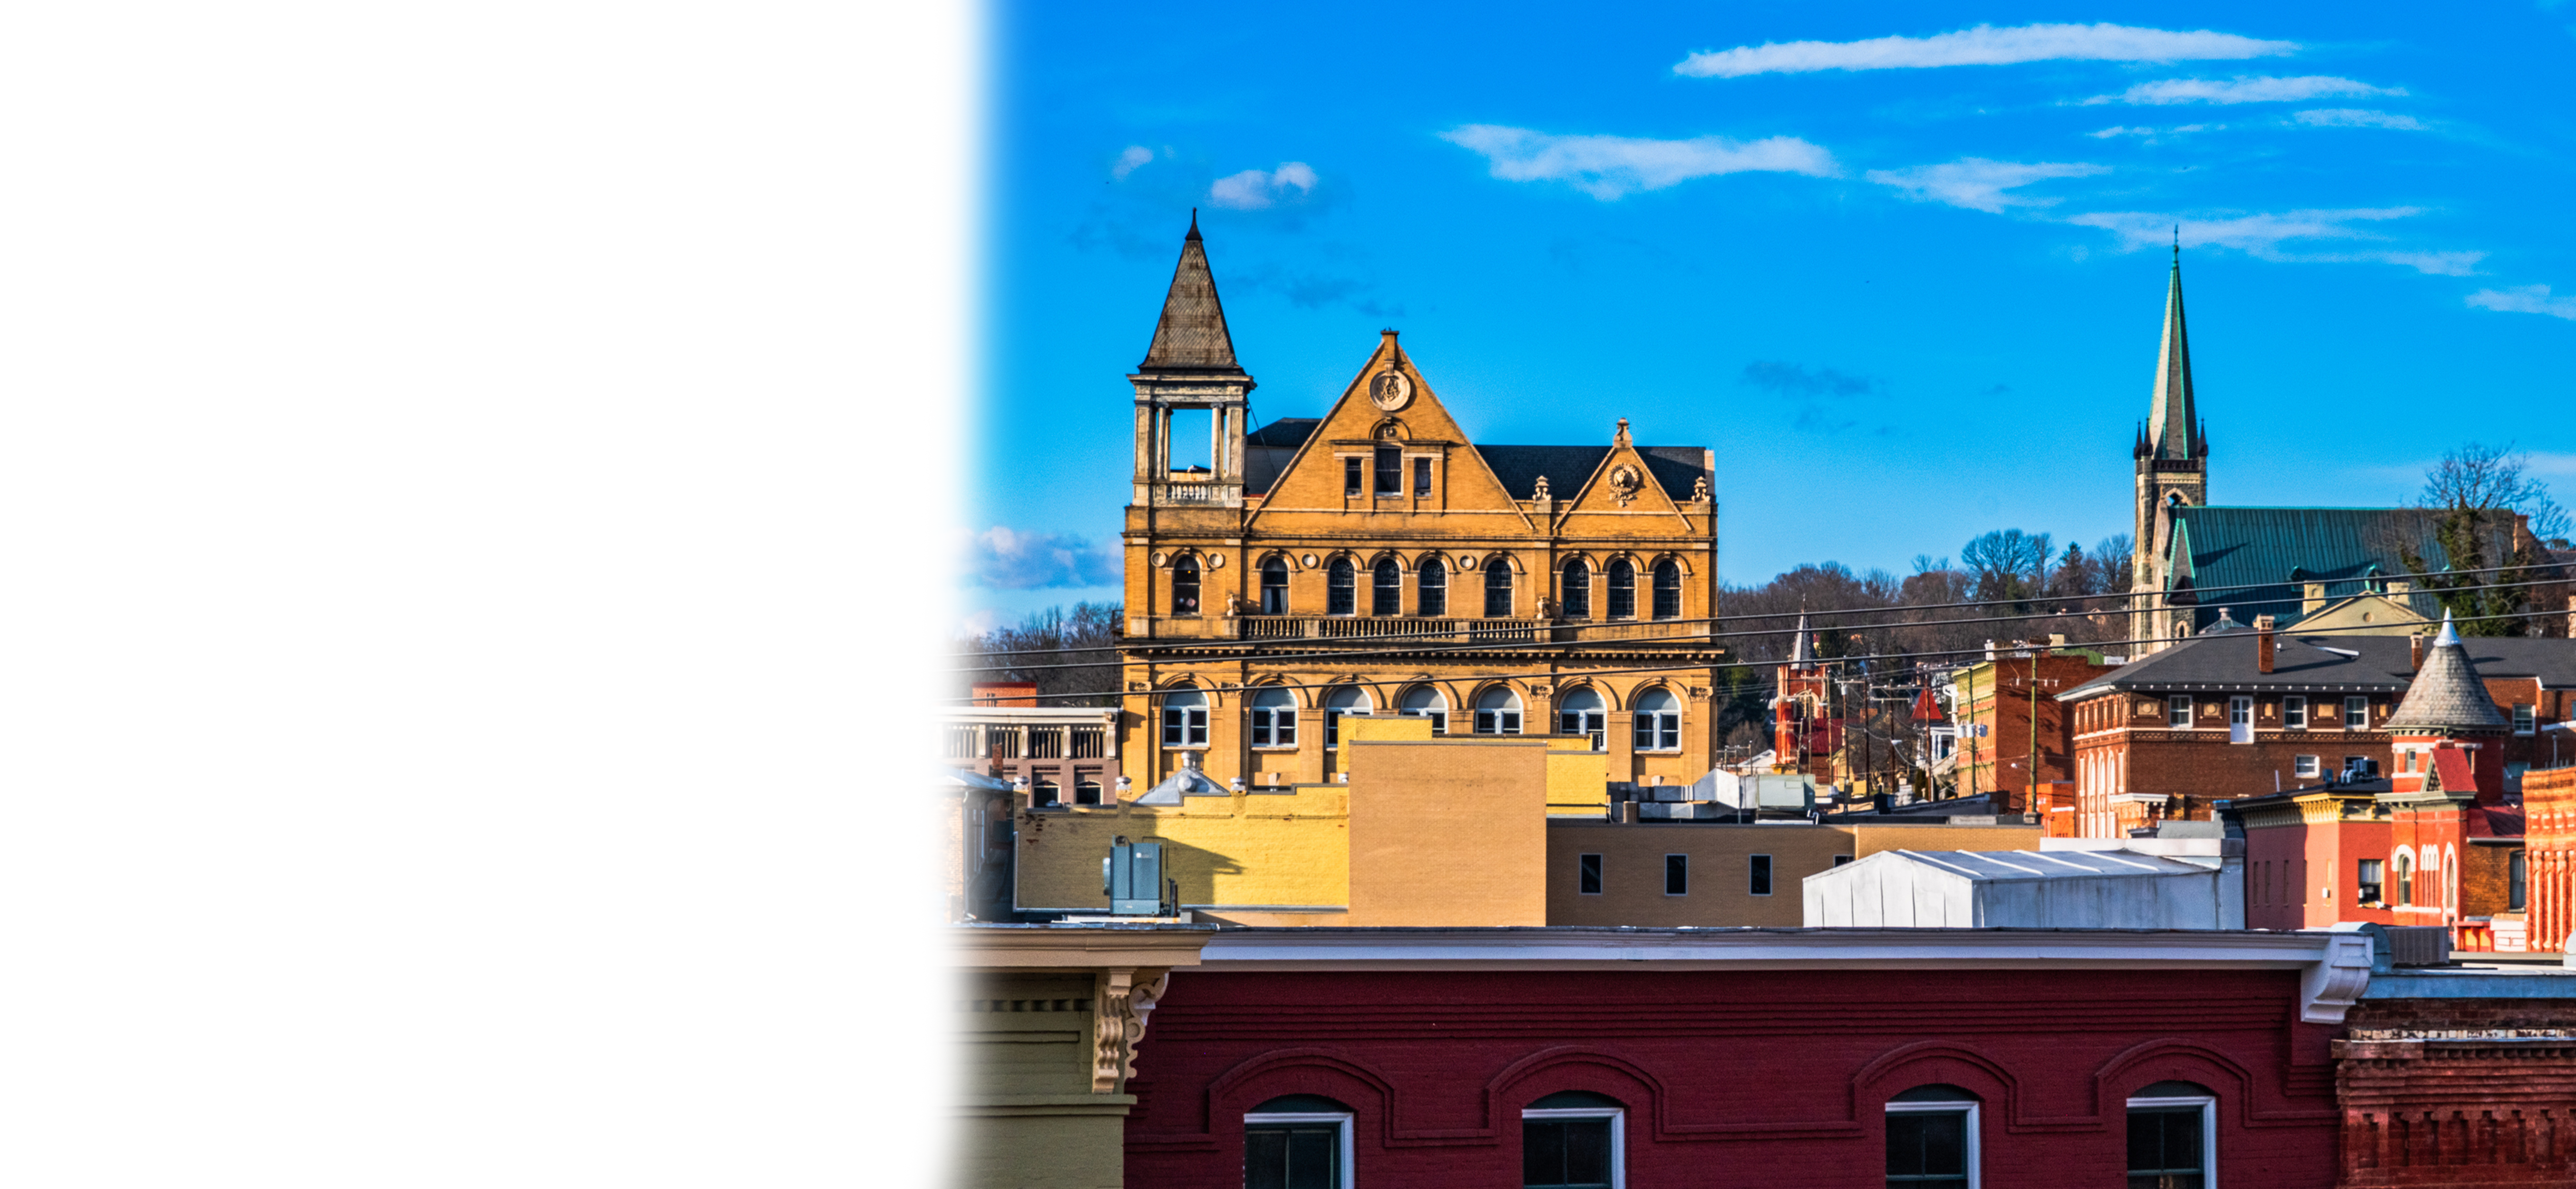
[(1191, 366), (2172, 456)]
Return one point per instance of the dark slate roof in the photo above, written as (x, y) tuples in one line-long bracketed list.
[(1290, 432), (1191, 335), (2304, 664), (2345, 548), (2447, 694), (1677, 468)]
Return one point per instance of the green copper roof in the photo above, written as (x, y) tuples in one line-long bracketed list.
[(2276, 550)]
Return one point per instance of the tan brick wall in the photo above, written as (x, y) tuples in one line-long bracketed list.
[(1448, 832), (1870, 839), (1632, 871)]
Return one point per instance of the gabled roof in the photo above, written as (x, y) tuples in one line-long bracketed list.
[(2447, 695), (1290, 432), (1676, 468), (1191, 335), (2324, 664), (2256, 560)]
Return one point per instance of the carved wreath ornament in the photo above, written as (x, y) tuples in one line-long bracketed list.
[(1624, 482)]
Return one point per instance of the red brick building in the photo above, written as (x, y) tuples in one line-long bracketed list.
[(2545, 876), (2002, 703)]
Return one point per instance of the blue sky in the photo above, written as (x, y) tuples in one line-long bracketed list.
[(1901, 267)]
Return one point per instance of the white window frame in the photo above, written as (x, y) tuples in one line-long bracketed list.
[(2208, 1132), (2294, 713), (2525, 718), (1656, 730), (2178, 710), (1618, 1135), (1502, 720), (1191, 725), (2356, 706), (1333, 715), (1279, 723), (1437, 712), (2308, 766), (1968, 1108), (2240, 704), (1341, 1120)]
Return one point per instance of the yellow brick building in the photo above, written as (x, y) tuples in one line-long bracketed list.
[(1376, 560)]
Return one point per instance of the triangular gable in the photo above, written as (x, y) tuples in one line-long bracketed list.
[(1312, 480), (1621, 484), (2178, 569)]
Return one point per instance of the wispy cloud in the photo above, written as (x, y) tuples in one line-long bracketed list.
[(1979, 184), (2439, 264), (2242, 89), (1136, 157), (2354, 117), (2525, 299), (1984, 45), (1792, 379), (1608, 167), (1007, 559), (2257, 235), (2152, 133), (1252, 189)]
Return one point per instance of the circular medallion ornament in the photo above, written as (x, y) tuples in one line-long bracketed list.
[(1216, 561), (1466, 561), (1161, 560), (1389, 390), (1309, 559)]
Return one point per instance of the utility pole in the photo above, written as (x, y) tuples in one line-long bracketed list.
[(2030, 779)]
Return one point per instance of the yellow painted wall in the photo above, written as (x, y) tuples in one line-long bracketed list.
[(1275, 848), (1448, 831), (1577, 777)]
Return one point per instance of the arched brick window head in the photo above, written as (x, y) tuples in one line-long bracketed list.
[(1185, 586), (1386, 588), (1274, 587), (1578, 590), (1498, 589), (1341, 588)]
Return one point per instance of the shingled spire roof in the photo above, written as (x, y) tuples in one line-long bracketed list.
[(2446, 694), (2171, 425), (1192, 334), (1801, 656)]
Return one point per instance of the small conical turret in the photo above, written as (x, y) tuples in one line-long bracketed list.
[(2447, 695), (1192, 334)]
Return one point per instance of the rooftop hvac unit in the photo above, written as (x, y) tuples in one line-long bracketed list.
[(1132, 878)]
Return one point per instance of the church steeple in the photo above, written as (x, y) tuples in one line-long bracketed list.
[(2172, 424), (1192, 334)]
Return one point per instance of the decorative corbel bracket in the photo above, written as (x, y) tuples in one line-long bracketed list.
[(1122, 1000)]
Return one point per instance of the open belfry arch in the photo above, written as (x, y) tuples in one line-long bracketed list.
[(1377, 560)]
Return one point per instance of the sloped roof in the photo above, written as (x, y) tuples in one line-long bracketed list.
[(2447, 695), (1191, 335), (1290, 432), (1183, 782), (2001, 866), (2172, 428), (1676, 468), (2304, 663), (2256, 550)]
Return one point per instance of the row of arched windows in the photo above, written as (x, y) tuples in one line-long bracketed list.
[(1431, 588), (1657, 725)]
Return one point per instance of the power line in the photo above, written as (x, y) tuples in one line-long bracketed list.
[(1886, 656), (1421, 650)]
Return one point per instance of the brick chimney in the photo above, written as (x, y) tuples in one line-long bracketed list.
[(2263, 643), (2416, 645)]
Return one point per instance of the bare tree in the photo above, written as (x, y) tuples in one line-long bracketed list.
[(2486, 510), (1078, 637)]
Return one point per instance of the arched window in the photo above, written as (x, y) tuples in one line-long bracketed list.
[(1659, 721), (1338, 701), (2173, 1136), (1431, 589), (1185, 718), (1498, 588), (1296, 1142), (2405, 877), (1932, 1137), (1086, 791), (1422, 701), (1274, 718), (1274, 586), (1386, 588), (1341, 588), (1573, 1140), (1578, 590), (1623, 589), (1581, 713), (1668, 589), (1044, 790), (1185, 586), (1498, 712)]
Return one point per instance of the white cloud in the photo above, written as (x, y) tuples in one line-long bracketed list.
[(1607, 167), (2525, 299), (1979, 184), (2176, 130), (2354, 117), (1006, 559), (2257, 235), (972, 624), (2439, 264), (1252, 189), (1130, 161), (2116, 130), (2241, 89), (1984, 45)]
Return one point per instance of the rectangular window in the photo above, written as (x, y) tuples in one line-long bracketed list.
[(1351, 477), (1390, 472), (2309, 766), (2294, 713), (1677, 875), (2522, 718), (2170, 1141), (1587, 874), (2517, 882), (1421, 477), (1572, 1148), (2370, 875), (2356, 713), (1297, 1150), (1932, 1145), (2181, 711), (1761, 875), (1839, 860)]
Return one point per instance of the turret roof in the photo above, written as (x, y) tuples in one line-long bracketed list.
[(1192, 334), (2171, 423), (2446, 694)]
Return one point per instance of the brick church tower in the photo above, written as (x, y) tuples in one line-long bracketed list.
[(2172, 456)]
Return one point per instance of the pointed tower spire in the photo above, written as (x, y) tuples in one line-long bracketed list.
[(1801, 656), (2171, 424), (1192, 333)]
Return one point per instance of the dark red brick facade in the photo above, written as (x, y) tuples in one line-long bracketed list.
[(2441, 1092)]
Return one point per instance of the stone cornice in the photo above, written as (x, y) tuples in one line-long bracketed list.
[(1078, 947)]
